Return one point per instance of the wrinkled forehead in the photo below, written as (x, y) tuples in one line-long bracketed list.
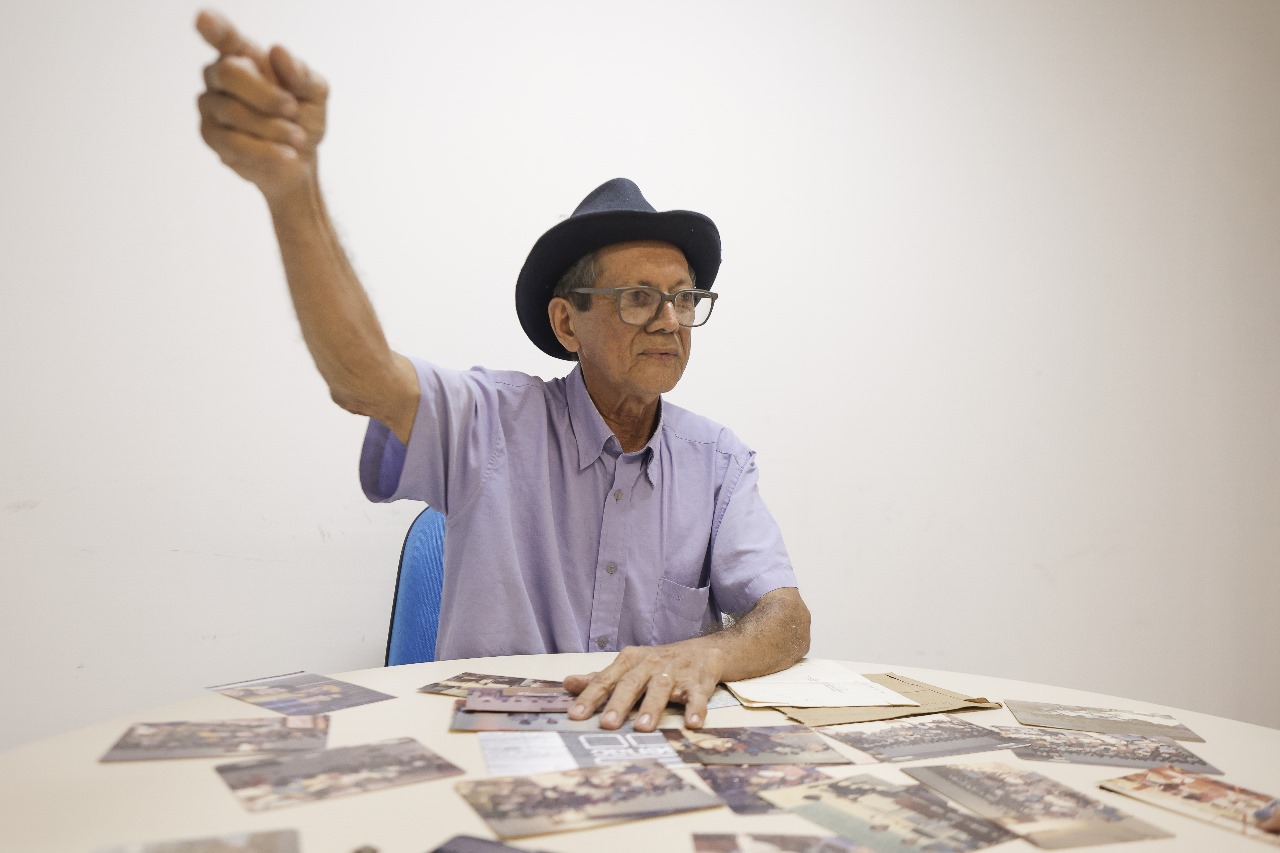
[(642, 261)]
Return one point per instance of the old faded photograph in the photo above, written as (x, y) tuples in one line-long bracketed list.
[(520, 806), (884, 816), (1195, 795), (464, 682), (302, 693), (761, 843), (520, 700), (211, 738), (787, 744), (1106, 720), (931, 736), (1041, 810), (1097, 748), (272, 783), (740, 786)]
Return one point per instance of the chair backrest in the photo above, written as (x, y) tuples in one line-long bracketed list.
[(415, 615)]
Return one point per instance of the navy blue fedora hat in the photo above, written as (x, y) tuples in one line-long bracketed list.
[(614, 212)]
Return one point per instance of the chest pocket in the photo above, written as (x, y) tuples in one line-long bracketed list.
[(680, 612)]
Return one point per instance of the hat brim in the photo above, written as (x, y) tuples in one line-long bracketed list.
[(564, 244)]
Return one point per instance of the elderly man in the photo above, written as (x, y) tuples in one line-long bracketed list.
[(583, 513)]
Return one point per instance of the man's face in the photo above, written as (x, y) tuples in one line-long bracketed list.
[(621, 362)]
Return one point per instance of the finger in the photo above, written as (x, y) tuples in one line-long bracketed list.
[(577, 683), (238, 149), (231, 114), (594, 694), (625, 694), (656, 695), (240, 78), (296, 77), (695, 705), (225, 38)]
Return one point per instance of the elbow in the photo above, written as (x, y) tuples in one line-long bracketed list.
[(803, 629), (350, 402)]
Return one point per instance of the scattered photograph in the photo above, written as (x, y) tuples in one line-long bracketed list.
[(301, 693), (889, 818), (756, 843), (1105, 720), (520, 806), (210, 738), (271, 783), (471, 844), (1044, 812), (520, 699), (464, 682), (788, 744), (522, 753), (1198, 796), (498, 721), (1096, 748), (740, 787), (278, 841), (931, 736)]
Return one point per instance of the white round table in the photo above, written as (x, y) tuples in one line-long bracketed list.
[(56, 796)]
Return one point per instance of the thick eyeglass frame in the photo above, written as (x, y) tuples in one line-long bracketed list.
[(663, 299)]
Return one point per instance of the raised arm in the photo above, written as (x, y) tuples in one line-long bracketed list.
[(771, 637), (263, 113)]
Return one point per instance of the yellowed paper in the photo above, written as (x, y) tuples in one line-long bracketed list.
[(933, 700)]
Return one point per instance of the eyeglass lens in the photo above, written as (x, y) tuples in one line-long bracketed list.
[(639, 306)]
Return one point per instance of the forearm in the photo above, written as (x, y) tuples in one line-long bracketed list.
[(771, 637), (338, 322)]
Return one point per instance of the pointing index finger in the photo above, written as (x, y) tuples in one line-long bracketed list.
[(223, 37)]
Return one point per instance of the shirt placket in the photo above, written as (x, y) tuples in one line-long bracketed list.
[(612, 561)]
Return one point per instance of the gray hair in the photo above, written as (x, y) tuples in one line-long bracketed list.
[(582, 274)]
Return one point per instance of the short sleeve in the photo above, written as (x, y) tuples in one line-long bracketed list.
[(748, 557), (455, 431)]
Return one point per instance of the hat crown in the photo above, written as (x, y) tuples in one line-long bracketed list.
[(616, 195)]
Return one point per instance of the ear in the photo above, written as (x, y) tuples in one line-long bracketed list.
[(561, 315)]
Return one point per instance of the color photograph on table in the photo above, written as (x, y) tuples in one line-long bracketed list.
[(272, 783), (740, 786), (1195, 795), (498, 721), (762, 843), (511, 700), (786, 744), (521, 806), (887, 817), (1045, 812), (932, 736), (301, 693), (1109, 721), (213, 738), (464, 682), (517, 753), (1097, 748)]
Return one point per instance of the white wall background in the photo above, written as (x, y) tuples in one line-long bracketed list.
[(1001, 315)]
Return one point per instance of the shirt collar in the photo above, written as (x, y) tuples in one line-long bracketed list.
[(593, 434)]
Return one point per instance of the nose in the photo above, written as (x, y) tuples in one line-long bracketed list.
[(665, 320)]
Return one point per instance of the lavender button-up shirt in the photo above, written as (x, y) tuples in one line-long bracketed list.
[(556, 540)]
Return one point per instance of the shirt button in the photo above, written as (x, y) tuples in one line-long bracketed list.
[(617, 496), (611, 568), (602, 641)]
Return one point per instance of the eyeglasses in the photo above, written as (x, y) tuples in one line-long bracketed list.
[(640, 306)]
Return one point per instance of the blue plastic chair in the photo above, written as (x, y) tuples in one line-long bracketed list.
[(415, 615)]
